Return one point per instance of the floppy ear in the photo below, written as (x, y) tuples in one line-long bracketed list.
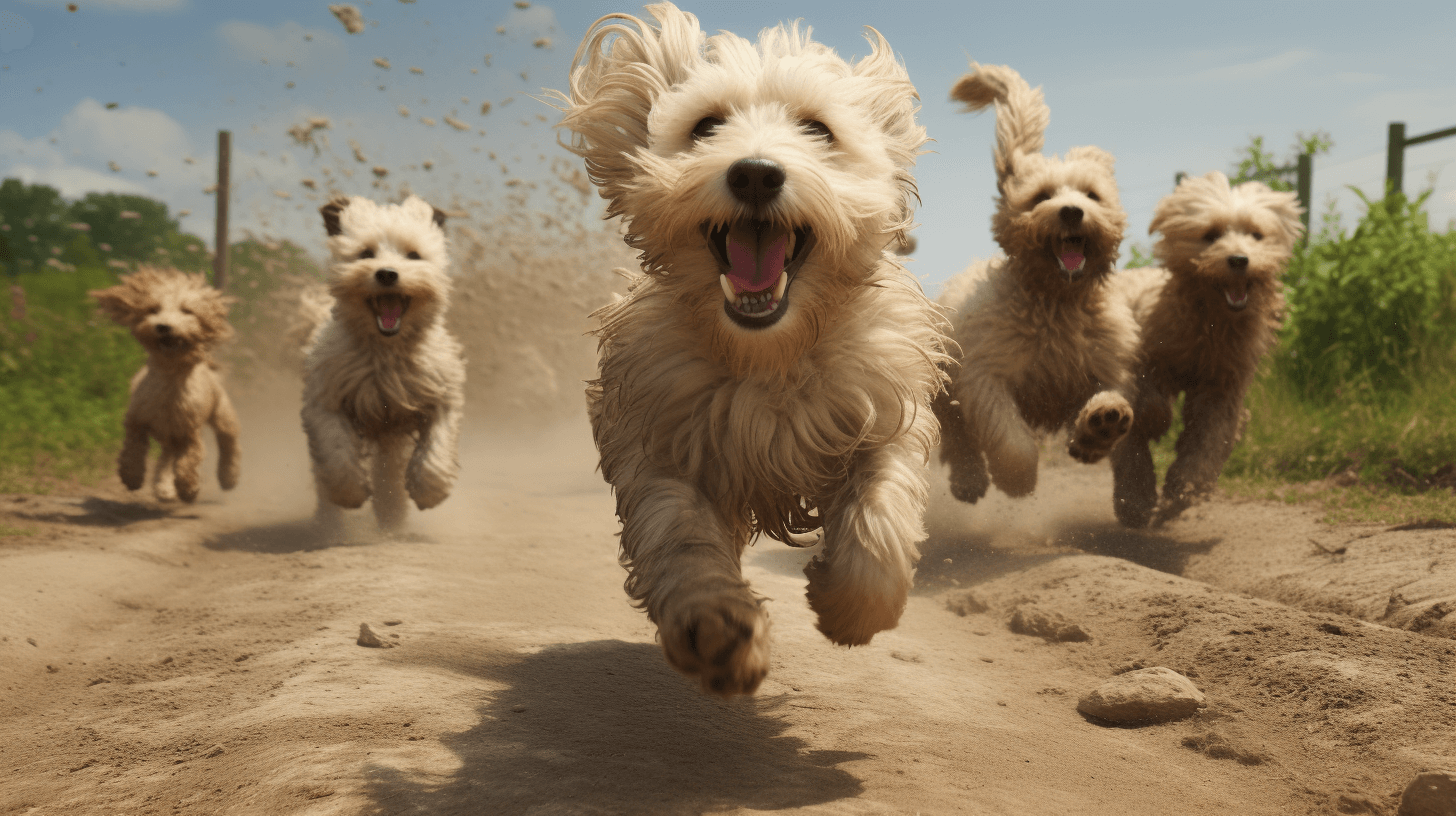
[(615, 84), (116, 302), (331, 212), (438, 217)]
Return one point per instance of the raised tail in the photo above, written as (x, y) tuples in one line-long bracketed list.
[(1021, 112)]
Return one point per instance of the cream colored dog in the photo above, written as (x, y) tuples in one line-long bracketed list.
[(772, 370), (383, 379), (1042, 344), (1207, 319), (177, 318)]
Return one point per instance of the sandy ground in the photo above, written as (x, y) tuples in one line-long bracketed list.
[(203, 659)]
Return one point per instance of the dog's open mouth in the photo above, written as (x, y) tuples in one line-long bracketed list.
[(389, 312), (1070, 253), (170, 342), (1236, 295), (757, 261)]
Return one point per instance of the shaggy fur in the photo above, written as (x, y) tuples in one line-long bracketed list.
[(1043, 346), (177, 318), (384, 380), (1207, 319), (727, 405)]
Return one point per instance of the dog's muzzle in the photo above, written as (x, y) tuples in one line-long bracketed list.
[(757, 262), (389, 312)]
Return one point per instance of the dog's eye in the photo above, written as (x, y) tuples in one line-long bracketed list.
[(1212, 235), (413, 256), (817, 128), (1044, 195), (186, 310), (368, 253), (705, 127), (1258, 236), (1093, 196)]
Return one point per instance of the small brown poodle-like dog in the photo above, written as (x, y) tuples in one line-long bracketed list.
[(384, 380), (1043, 345), (772, 370), (1207, 319), (177, 318)]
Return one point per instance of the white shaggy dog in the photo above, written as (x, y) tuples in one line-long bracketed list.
[(772, 370), (383, 379), (1043, 344)]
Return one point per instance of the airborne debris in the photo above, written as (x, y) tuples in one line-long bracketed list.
[(284, 194), (403, 111), (358, 152), (112, 106), (484, 108), (522, 4), (428, 121), (542, 42), (416, 70), (381, 172), (456, 123), (427, 164), (115, 168), (302, 133), (152, 173), (373, 641), (381, 62), (348, 15)]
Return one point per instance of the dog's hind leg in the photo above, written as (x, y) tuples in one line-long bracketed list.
[(872, 525), (131, 466), (1212, 425), (968, 476), (224, 423), (682, 563), (335, 450), (391, 457), (1134, 478), (994, 425), (164, 479), (187, 464), (436, 462)]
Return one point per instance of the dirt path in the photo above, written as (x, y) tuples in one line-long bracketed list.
[(203, 660)]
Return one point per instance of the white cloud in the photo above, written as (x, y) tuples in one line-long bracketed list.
[(1256, 69), (287, 42), (533, 20), (136, 138)]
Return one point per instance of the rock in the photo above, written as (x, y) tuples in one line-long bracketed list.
[(1151, 695), (373, 641), (1030, 620), (215, 751), (966, 604), (1431, 794)]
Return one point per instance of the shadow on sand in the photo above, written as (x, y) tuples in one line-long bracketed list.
[(608, 727), (97, 512), (305, 535)]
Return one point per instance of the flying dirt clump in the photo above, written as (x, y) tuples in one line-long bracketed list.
[(349, 15)]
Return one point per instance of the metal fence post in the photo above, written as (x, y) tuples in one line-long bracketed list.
[(1178, 178), (1395, 157), (224, 190)]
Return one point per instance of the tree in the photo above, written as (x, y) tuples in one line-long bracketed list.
[(1256, 164), (33, 219)]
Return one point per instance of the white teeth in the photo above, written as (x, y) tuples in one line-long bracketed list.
[(727, 288), (782, 285)]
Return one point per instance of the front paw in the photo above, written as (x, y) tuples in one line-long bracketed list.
[(969, 480), (720, 638), (188, 486), (133, 475), (1104, 420), (227, 475), (854, 605), (349, 493), (427, 489)]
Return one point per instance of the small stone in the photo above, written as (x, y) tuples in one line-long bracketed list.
[(1030, 620), (1431, 794), (393, 622), (968, 603), (373, 641), (215, 751), (1151, 695)]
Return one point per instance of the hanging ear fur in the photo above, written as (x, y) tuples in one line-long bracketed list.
[(1284, 205), (438, 217), (331, 212)]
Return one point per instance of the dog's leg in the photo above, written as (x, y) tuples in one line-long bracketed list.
[(968, 476), (435, 463), (188, 464), (164, 479), (1105, 419), (1134, 479), (682, 564), (335, 451), (859, 585), (131, 466), (994, 425), (225, 424), (391, 457), (1212, 425)]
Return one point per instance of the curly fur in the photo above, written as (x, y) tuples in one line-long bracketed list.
[(1043, 346), (178, 319), (711, 432), (1207, 320), (393, 401)]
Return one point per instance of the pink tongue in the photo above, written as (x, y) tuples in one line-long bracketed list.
[(754, 266), (389, 313), (1072, 260)]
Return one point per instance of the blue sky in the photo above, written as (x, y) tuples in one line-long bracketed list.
[(1164, 86)]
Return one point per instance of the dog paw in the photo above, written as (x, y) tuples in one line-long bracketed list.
[(133, 477), (187, 489), (851, 612), (427, 490), (164, 490), (1099, 428), (1132, 513), (969, 482), (350, 495), (228, 476), (722, 640)]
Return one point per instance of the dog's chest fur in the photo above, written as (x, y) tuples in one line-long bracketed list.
[(1191, 340), (171, 401), (382, 386)]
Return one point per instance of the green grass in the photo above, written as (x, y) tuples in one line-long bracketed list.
[(63, 381)]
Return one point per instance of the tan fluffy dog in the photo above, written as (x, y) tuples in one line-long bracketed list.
[(1043, 346), (177, 318), (1207, 320), (384, 380), (771, 372)]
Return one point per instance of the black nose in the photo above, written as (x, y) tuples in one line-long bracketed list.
[(755, 181), (387, 277), (1238, 263), (1071, 216), (163, 328)]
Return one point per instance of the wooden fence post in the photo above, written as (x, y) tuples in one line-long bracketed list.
[(1395, 157), (224, 190), (1305, 185)]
